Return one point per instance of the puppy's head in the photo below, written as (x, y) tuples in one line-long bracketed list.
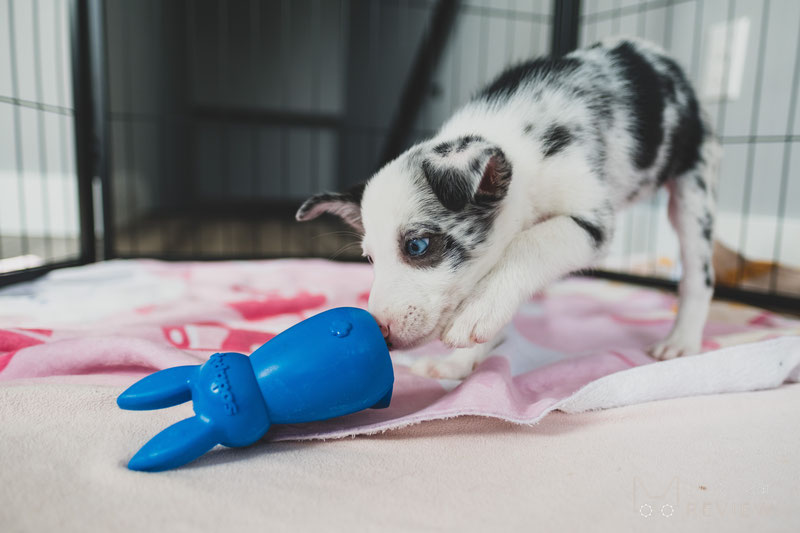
[(427, 219)]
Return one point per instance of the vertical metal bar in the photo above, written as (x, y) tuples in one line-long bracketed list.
[(616, 18), (255, 140), (316, 106), (345, 134), (134, 229), (98, 43), (723, 102), (347, 49), (222, 77), (455, 69), (255, 134), (285, 148), (566, 25), (787, 156), (404, 40), (20, 163), (591, 30), (161, 102), (191, 38), (641, 20), (669, 15), (373, 68), (697, 41), (533, 42), (40, 126), (655, 219), (62, 119), (483, 49), (751, 147), (510, 31), (82, 95), (418, 82)]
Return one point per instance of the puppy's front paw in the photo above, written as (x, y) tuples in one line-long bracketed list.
[(675, 345), (461, 332), (476, 321)]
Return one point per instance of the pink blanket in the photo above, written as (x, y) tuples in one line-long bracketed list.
[(114, 322)]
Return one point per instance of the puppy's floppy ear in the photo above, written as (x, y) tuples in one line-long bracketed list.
[(346, 205), (467, 170)]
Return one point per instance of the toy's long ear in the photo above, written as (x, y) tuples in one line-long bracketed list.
[(468, 169), (346, 205), (164, 388), (178, 444)]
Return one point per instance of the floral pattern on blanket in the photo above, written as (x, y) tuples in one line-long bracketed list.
[(113, 322)]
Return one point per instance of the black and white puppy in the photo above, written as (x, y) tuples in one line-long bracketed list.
[(521, 187)]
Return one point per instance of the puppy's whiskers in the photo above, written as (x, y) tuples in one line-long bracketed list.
[(340, 233), (343, 249)]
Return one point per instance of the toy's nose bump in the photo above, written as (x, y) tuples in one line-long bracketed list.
[(341, 328)]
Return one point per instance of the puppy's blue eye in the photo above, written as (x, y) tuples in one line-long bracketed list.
[(415, 247)]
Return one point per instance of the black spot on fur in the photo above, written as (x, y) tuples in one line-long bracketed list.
[(456, 252), (594, 231), (597, 153), (450, 185), (555, 139), (465, 141), (507, 83), (706, 225), (455, 187), (446, 148), (688, 134), (476, 165), (701, 183), (528, 128), (709, 275), (443, 149), (646, 102), (598, 99)]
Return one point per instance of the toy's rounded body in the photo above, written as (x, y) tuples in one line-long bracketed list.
[(331, 364)]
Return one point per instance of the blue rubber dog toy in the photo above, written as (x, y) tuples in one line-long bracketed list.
[(332, 364)]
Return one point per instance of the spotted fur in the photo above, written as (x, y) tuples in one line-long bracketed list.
[(522, 185), (555, 139)]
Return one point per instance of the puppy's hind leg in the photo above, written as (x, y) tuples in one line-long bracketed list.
[(691, 212)]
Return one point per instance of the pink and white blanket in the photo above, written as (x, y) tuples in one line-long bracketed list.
[(578, 346)]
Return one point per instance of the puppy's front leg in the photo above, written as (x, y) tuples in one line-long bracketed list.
[(534, 258)]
